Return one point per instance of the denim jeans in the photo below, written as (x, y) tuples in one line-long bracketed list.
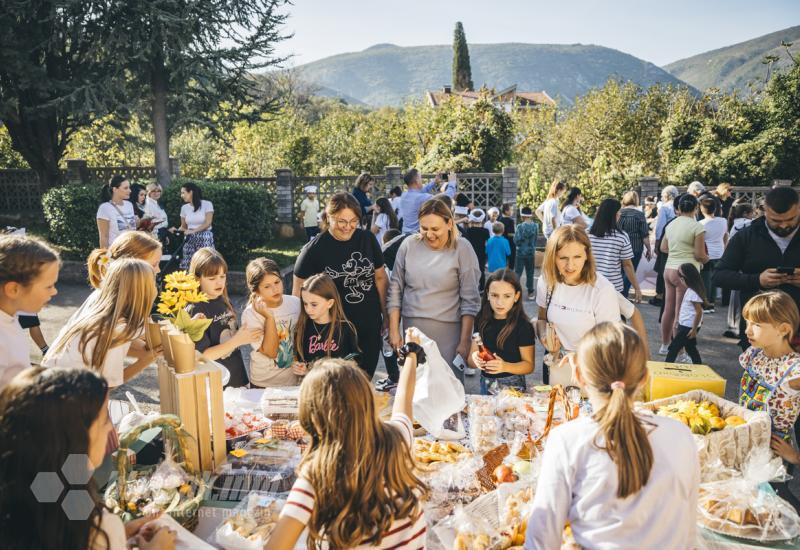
[(626, 284), (516, 381), (526, 263)]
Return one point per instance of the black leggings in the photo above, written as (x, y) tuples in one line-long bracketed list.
[(369, 340), (682, 341)]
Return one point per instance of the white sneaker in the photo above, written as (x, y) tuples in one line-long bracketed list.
[(664, 349), (683, 357), (470, 371)]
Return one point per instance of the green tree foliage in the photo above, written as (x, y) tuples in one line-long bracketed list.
[(462, 73)]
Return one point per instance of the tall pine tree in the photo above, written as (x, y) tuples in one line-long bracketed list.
[(462, 73)]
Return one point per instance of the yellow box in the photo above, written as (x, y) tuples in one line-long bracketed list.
[(668, 379)]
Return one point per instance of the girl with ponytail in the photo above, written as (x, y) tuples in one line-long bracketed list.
[(623, 477)]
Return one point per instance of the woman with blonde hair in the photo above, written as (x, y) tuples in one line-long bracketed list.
[(623, 478), (353, 258), (434, 285), (108, 330), (153, 209), (549, 212)]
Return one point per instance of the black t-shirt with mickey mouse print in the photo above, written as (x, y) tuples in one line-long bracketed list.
[(351, 264)]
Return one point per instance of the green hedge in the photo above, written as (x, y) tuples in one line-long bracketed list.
[(243, 215)]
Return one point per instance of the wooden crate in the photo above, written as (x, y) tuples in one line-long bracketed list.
[(196, 398)]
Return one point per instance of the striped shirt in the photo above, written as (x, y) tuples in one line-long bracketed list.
[(408, 533), (633, 222), (609, 251)]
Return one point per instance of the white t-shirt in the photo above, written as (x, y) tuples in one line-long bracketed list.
[(120, 218), (382, 223), (153, 210), (551, 213), (310, 210), (198, 218), (407, 533), (608, 252), (488, 226), (739, 224), (14, 348), (114, 529), (574, 310), (578, 483), (264, 371), (687, 312), (571, 213), (70, 356), (716, 229), (395, 202)]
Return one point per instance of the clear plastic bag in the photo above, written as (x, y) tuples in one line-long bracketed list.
[(281, 403), (746, 506), (484, 424), (450, 485), (252, 522)]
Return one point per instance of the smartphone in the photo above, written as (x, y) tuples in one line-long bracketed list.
[(785, 270), (459, 363)]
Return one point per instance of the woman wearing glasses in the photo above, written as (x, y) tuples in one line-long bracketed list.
[(353, 258)]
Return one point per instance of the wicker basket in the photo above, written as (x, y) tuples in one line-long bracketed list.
[(172, 430)]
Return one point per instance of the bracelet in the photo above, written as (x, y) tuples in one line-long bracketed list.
[(411, 347)]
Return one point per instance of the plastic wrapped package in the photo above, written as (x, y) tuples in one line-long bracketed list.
[(252, 522), (747, 506), (472, 527), (281, 403), (450, 485), (431, 454), (517, 415), (484, 424)]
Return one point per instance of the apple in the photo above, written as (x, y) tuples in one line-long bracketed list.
[(504, 474), (522, 467)]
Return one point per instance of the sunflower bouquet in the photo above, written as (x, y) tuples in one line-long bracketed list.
[(180, 290)]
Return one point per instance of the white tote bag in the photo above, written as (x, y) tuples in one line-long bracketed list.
[(438, 394)]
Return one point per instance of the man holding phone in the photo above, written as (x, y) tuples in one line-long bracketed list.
[(765, 255)]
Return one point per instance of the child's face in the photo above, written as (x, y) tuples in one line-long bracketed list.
[(316, 306), (213, 286), (154, 259), (34, 296), (502, 298), (763, 335), (270, 289)]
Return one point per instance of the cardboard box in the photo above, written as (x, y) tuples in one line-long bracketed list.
[(668, 379)]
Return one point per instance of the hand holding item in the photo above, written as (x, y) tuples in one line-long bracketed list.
[(395, 339), (477, 361), (551, 341), (495, 366), (300, 369), (770, 278), (784, 450)]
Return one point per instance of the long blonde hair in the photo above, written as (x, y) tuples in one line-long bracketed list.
[(360, 468), (438, 207), (556, 187), (561, 237), (131, 244), (773, 307), (126, 296), (207, 262), (323, 286), (613, 360)]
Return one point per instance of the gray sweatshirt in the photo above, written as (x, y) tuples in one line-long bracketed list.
[(435, 284)]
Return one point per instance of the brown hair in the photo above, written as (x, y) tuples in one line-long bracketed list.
[(515, 316), (360, 467), (337, 203), (630, 198), (126, 295), (256, 271), (773, 307), (22, 259), (562, 236), (556, 187), (439, 208), (323, 286), (363, 180), (612, 361), (131, 244), (207, 262)]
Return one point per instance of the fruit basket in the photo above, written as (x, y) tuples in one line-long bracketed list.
[(731, 444)]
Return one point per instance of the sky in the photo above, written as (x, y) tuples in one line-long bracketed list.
[(659, 31)]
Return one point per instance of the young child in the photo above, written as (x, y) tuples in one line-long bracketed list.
[(497, 249), (506, 332), (28, 275), (771, 377), (690, 316), (493, 213), (108, 329), (525, 238), (623, 478), (478, 236), (323, 329), (221, 340), (309, 212), (356, 484), (276, 314)]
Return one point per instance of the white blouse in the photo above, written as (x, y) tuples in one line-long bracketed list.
[(14, 348)]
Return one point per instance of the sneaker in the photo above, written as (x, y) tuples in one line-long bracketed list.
[(531, 296), (683, 357), (731, 334), (655, 301), (710, 310), (385, 384), (470, 371), (664, 349)]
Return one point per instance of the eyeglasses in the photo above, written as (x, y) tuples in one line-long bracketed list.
[(155, 192), (344, 224)]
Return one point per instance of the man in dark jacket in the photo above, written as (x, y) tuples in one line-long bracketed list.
[(751, 260)]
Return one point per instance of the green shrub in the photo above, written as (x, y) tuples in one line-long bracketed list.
[(243, 215)]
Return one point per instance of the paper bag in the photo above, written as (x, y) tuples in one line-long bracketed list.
[(438, 394), (164, 327), (182, 352), (153, 334)]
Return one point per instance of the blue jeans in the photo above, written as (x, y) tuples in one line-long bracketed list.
[(626, 284), (526, 263), (516, 381)]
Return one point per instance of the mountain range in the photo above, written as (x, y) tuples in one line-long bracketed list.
[(386, 74)]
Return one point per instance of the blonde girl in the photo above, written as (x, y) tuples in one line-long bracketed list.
[(28, 275), (622, 478), (221, 340), (110, 328), (323, 329), (153, 209), (276, 314), (549, 212), (131, 244), (356, 484)]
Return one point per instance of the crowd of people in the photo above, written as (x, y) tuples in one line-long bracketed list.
[(371, 277)]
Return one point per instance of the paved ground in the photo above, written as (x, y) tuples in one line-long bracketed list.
[(718, 352)]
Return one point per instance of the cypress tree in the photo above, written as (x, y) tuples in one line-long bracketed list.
[(462, 73)]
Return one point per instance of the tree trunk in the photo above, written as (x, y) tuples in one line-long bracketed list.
[(160, 127), (38, 143)]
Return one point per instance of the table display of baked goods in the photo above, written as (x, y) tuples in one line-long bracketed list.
[(701, 417), (251, 524)]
